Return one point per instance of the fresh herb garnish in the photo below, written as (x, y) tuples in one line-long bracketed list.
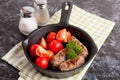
[(71, 54), (71, 45), (73, 50), (78, 49)]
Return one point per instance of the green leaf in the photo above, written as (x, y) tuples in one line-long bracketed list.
[(71, 45), (71, 54), (78, 49)]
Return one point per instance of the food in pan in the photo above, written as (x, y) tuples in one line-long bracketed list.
[(71, 57), (59, 50)]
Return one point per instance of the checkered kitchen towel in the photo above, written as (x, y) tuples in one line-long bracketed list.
[(97, 27)]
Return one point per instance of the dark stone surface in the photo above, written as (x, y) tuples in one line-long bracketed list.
[(106, 65)]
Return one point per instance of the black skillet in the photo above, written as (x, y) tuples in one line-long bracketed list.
[(77, 32)]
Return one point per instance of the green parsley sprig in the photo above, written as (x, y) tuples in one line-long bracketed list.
[(73, 50), (71, 54)]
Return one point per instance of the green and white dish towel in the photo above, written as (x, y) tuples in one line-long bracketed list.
[(98, 28)]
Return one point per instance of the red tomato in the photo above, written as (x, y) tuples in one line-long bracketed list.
[(62, 35), (50, 55), (51, 36), (55, 46), (41, 52), (41, 62), (68, 35), (32, 50), (43, 42)]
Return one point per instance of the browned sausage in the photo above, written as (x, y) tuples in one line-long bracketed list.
[(58, 58), (72, 64)]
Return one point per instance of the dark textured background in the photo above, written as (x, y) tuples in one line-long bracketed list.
[(106, 65)]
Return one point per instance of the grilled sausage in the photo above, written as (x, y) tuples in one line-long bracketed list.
[(84, 51), (72, 64), (80, 60), (58, 58)]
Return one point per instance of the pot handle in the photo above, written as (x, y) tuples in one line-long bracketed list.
[(66, 11)]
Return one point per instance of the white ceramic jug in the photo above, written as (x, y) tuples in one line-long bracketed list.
[(28, 21)]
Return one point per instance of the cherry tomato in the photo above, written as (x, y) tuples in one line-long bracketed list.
[(68, 35), (41, 52), (50, 55), (62, 35), (43, 42), (55, 46), (41, 62), (51, 36), (32, 50)]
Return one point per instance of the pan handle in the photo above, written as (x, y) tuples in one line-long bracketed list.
[(66, 11)]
